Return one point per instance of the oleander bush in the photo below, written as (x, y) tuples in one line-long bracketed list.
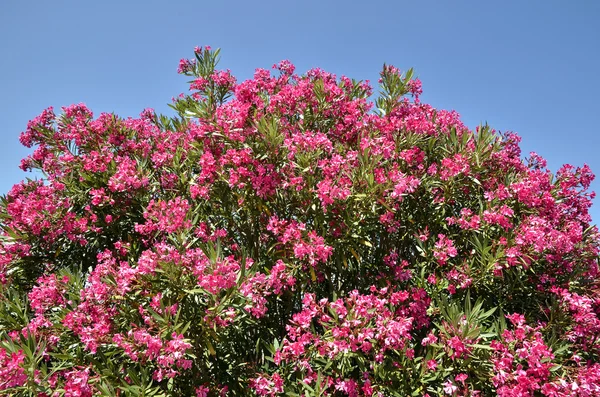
[(288, 235)]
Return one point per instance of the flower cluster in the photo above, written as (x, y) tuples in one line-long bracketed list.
[(287, 235), (12, 372)]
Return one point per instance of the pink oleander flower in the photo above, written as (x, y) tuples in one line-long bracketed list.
[(294, 234)]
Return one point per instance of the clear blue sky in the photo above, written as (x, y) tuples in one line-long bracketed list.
[(525, 66)]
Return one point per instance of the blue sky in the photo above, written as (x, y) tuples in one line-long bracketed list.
[(525, 66)]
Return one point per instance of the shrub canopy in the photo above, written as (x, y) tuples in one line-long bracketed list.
[(289, 235)]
